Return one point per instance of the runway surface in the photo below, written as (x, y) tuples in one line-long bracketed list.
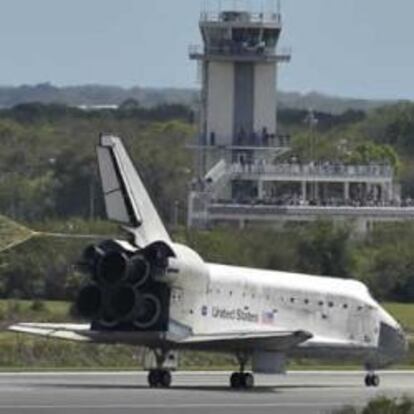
[(125, 393)]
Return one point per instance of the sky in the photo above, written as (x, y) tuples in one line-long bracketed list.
[(351, 48)]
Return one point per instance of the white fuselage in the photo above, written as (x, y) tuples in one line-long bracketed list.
[(341, 314)]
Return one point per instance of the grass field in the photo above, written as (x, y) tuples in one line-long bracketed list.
[(33, 311), (404, 313)]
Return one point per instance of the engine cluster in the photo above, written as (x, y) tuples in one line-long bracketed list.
[(123, 291)]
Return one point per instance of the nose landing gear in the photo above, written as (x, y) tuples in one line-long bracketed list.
[(159, 378), (372, 380), (242, 380)]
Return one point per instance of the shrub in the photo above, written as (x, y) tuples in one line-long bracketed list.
[(382, 405)]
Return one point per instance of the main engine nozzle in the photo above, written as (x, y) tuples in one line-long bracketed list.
[(128, 287), (148, 311), (113, 267), (116, 267)]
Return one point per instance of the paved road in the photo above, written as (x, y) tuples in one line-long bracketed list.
[(125, 393)]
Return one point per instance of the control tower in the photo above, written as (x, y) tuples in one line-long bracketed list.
[(240, 175), (238, 63)]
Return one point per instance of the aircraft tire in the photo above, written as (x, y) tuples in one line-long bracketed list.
[(236, 380), (159, 378), (153, 378), (375, 381), (372, 380), (248, 381), (165, 379)]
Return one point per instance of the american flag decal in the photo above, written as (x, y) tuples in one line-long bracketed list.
[(268, 317)]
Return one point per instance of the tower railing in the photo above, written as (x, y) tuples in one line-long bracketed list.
[(323, 170), (220, 17), (259, 51)]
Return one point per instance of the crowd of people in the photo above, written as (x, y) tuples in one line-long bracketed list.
[(255, 139), (298, 201), (246, 164)]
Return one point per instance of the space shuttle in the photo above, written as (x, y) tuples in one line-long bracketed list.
[(152, 292)]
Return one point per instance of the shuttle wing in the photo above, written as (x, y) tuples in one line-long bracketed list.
[(126, 199), (70, 332), (84, 333), (246, 341)]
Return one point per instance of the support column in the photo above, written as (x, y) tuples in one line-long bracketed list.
[(390, 192), (346, 191), (316, 191), (260, 190), (385, 192), (304, 191), (324, 191), (375, 192)]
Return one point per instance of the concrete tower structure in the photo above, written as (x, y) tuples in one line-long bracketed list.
[(239, 68)]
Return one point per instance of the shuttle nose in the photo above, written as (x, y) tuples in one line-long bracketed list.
[(393, 341)]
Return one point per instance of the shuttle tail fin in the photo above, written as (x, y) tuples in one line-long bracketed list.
[(126, 199)]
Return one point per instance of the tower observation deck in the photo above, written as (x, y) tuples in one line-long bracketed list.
[(239, 172)]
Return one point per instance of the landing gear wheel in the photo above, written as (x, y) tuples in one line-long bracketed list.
[(159, 378), (372, 380), (153, 378), (375, 381), (241, 380), (248, 381), (236, 380), (165, 379)]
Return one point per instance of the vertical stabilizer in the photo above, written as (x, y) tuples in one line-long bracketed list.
[(126, 199)]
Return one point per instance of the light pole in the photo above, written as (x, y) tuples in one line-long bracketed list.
[(312, 121)]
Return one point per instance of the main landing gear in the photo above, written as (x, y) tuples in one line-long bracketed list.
[(372, 380), (242, 380), (160, 377)]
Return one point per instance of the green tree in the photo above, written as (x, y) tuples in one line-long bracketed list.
[(324, 249)]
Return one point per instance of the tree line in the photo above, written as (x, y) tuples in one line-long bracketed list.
[(48, 180)]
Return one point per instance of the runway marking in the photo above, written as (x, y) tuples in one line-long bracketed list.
[(170, 406), (189, 373)]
